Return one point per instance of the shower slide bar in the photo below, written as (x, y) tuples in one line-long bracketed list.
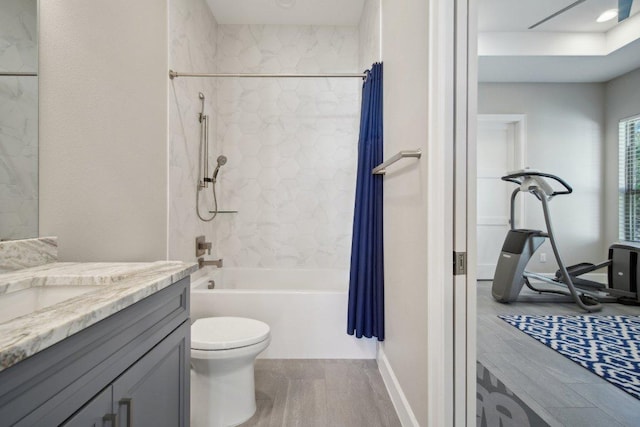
[(17, 74), (381, 168), (174, 74)]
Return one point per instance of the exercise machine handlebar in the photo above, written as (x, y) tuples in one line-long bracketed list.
[(520, 176)]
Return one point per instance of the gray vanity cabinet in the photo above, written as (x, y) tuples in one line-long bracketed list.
[(147, 394), (129, 370)]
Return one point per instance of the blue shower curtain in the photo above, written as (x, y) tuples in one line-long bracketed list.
[(366, 281)]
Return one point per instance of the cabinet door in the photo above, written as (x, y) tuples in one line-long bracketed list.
[(154, 392), (96, 413)]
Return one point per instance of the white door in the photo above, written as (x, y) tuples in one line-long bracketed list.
[(499, 150)]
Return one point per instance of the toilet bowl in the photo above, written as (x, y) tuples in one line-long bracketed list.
[(223, 352)]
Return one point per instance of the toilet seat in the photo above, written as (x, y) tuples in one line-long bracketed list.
[(227, 333)]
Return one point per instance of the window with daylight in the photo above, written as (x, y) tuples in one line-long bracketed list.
[(629, 180)]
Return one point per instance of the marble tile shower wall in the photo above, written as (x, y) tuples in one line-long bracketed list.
[(291, 144), (18, 120), (193, 33)]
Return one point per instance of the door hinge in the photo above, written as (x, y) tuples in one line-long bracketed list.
[(459, 263)]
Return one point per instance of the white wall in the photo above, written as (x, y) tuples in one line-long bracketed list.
[(103, 128), (193, 39), (369, 34), (622, 101), (291, 145), (565, 137), (18, 120), (405, 56)]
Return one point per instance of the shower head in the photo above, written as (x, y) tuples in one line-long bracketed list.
[(201, 95), (222, 160)]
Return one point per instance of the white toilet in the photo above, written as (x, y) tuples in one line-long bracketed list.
[(223, 351)]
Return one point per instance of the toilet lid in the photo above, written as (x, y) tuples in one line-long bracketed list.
[(224, 333)]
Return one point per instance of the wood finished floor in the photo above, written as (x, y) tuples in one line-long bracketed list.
[(559, 390), (309, 393)]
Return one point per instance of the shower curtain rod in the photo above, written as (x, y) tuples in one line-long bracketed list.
[(174, 74)]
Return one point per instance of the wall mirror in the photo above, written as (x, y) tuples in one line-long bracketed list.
[(18, 119)]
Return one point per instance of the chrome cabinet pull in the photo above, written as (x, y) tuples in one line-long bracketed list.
[(128, 403), (112, 419)]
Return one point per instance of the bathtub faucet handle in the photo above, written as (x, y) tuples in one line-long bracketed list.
[(206, 246), (202, 245)]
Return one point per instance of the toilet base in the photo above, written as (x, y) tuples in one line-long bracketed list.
[(222, 401), (223, 388)]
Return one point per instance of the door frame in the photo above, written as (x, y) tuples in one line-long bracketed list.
[(520, 123), (520, 154), (451, 193), (464, 210)]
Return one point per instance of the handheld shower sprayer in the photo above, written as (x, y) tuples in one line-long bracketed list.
[(201, 115), (204, 162), (222, 160)]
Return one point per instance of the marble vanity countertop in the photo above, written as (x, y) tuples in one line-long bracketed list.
[(119, 286)]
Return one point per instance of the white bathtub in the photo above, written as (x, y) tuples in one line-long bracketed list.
[(306, 309)]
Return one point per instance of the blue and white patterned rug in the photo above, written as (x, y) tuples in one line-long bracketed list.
[(608, 346)]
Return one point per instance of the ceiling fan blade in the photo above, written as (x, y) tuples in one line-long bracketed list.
[(561, 11), (624, 9)]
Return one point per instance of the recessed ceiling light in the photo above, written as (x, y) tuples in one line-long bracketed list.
[(607, 15), (287, 4)]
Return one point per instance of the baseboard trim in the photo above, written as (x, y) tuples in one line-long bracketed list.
[(399, 400)]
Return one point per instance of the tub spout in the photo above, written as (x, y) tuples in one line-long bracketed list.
[(213, 262)]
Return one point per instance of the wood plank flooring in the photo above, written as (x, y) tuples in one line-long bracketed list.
[(321, 393), (559, 390)]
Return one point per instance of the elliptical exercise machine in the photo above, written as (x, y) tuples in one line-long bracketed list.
[(520, 245)]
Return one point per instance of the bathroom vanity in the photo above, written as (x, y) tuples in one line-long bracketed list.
[(116, 355)]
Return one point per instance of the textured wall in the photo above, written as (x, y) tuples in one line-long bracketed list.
[(406, 211), (18, 120), (192, 38), (103, 128), (291, 145)]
